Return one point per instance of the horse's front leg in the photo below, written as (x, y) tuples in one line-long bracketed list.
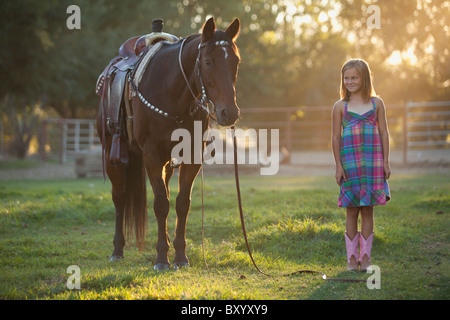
[(161, 208), (187, 174)]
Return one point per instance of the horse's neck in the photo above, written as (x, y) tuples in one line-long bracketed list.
[(177, 86)]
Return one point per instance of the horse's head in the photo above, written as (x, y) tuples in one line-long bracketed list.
[(219, 62)]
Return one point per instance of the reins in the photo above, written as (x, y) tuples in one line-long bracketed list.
[(244, 231)]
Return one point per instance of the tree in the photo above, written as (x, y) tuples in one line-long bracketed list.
[(23, 60), (417, 32)]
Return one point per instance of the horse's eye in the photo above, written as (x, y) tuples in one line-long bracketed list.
[(208, 62)]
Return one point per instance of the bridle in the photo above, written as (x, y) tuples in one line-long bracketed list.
[(202, 102)]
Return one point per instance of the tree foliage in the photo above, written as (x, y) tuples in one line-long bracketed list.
[(292, 50)]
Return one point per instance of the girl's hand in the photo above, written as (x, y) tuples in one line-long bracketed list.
[(387, 171), (340, 174)]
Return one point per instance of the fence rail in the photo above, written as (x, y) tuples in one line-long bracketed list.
[(428, 124), (309, 128), (421, 125)]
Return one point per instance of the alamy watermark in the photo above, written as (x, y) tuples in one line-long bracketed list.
[(74, 280), (221, 150), (374, 281), (374, 20), (74, 20)]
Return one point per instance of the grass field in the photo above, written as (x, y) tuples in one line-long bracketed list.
[(293, 223)]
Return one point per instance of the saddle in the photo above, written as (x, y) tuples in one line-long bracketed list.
[(113, 87)]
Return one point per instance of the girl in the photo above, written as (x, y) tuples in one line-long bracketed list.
[(360, 142)]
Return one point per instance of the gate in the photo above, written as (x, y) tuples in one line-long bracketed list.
[(67, 137)]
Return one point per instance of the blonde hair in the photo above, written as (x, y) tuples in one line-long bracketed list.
[(364, 71)]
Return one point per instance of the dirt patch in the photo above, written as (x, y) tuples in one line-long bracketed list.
[(40, 172), (46, 171)]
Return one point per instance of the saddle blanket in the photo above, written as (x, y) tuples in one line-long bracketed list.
[(143, 65)]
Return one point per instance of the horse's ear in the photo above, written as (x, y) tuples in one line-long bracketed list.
[(208, 29), (233, 29)]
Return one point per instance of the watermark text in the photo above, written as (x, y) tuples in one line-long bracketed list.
[(374, 20), (74, 280), (374, 281), (250, 142), (74, 20)]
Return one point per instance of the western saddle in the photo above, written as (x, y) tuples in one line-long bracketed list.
[(113, 87)]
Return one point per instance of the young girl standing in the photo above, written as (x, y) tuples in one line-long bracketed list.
[(360, 143)]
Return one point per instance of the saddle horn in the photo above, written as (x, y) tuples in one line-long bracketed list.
[(156, 36), (157, 25)]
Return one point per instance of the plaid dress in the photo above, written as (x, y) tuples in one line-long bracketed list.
[(362, 160)]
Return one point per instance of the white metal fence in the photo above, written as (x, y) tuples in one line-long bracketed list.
[(428, 124), (418, 125), (67, 137)]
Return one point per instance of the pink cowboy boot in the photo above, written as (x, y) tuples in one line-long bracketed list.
[(365, 250), (352, 251)]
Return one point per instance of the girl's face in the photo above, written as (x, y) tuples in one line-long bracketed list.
[(352, 80)]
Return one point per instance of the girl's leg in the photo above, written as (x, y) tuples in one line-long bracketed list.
[(352, 238), (366, 221), (366, 237), (351, 223)]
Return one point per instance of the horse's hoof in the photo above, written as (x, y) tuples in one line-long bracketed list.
[(115, 258), (179, 265), (161, 267)]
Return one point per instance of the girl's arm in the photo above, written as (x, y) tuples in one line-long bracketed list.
[(338, 110), (384, 135)]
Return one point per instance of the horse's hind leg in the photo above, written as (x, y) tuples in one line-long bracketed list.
[(117, 178), (187, 176)]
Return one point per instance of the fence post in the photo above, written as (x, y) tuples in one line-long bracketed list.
[(62, 154), (405, 134), (77, 137), (91, 135), (289, 136), (2, 136), (43, 141)]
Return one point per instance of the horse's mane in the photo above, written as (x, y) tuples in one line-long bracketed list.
[(191, 37)]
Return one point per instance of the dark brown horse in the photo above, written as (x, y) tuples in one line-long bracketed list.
[(166, 99)]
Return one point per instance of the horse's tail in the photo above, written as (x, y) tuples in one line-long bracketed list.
[(136, 199)]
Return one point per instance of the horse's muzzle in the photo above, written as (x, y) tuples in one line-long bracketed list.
[(227, 116)]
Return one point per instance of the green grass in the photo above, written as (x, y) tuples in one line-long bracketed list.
[(293, 223), (18, 164)]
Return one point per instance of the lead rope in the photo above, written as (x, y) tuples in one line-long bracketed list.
[(203, 220), (236, 174)]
